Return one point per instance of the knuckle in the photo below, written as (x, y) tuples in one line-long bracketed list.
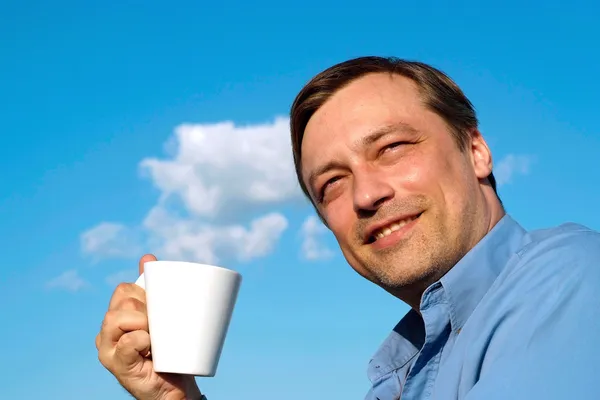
[(123, 288), (110, 320), (131, 303), (105, 359)]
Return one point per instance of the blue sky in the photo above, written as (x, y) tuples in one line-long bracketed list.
[(112, 115)]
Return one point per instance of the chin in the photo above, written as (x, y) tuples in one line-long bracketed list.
[(415, 275)]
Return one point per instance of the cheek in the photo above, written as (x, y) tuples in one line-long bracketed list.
[(342, 227), (434, 176), (455, 184), (435, 169), (414, 174), (340, 216)]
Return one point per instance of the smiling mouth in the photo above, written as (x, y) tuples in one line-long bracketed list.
[(391, 228)]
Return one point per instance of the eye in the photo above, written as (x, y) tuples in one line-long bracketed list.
[(393, 146), (324, 188)]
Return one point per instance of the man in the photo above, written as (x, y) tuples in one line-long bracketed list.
[(389, 153)]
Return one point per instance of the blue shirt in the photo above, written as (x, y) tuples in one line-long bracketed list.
[(518, 318)]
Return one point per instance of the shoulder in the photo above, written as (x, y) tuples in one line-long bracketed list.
[(550, 290), (563, 237), (556, 267), (544, 316), (565, 230), (567, 251)]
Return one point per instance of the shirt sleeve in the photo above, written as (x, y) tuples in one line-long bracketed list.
[(550, 348)]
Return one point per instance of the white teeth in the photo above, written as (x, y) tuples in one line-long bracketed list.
[(383, 232)]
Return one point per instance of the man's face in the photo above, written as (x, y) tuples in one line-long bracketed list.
[(403, 201)]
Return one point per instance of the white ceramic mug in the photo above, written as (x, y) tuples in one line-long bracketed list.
[(189, 308)]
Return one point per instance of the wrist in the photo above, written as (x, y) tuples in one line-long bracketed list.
[(192, 395), (188, 391), (192, 391)]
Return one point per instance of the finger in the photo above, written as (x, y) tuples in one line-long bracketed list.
[(131, 304), (144, 259), (128, 304), (132, 346), (125, 291), (117, 323)]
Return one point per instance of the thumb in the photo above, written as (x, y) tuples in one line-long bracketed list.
[(132, 347), (144, 259)]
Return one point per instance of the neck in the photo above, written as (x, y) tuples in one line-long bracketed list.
[(493, 212)]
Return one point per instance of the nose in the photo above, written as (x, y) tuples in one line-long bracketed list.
[(370, 191)]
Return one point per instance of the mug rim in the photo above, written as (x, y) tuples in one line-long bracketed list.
[(190, 263)]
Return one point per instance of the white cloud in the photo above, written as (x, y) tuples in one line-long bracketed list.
[(313, 232), (260, 239), (222, 167), (218, 187), (510, 166), (109, 239), (192, 238), (68, 280)]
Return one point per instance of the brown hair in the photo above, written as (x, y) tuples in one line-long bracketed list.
[(440, 94)]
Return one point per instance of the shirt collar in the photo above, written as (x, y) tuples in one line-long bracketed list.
[(399, 347), (468, 281), (464, 285)]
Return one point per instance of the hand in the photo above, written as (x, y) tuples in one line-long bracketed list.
[(124, 348)]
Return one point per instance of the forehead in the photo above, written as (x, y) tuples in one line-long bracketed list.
[(362, 107)]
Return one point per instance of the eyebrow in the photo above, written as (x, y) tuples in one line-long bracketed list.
[(362, 142)]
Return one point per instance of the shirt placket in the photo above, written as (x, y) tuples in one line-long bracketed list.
[(422, 374)]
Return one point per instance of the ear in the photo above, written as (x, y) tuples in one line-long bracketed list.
[(481, 155)]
